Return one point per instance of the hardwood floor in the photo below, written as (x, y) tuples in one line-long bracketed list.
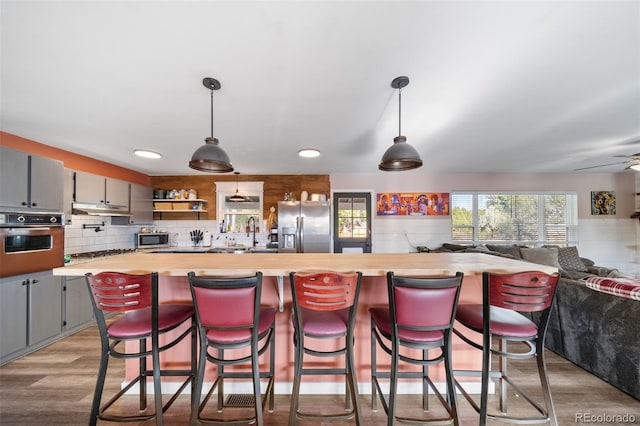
[(54, 386)]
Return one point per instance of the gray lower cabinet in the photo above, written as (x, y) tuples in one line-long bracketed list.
[(13, 316), (30, 313), (78, 311), (45, 308)]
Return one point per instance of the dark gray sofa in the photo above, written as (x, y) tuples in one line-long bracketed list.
[(597, 331)]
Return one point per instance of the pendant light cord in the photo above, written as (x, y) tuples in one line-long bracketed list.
[(212, 113), (400, 112)]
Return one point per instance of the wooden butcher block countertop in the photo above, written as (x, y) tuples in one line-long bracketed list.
[(280, 264)]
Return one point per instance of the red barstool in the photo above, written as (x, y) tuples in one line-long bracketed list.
[(229, 316), (136, 298), (324, 307), (420, 316), (505, 296)]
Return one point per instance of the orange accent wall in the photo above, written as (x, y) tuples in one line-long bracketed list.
[(73, 161)]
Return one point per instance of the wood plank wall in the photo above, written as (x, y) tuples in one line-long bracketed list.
[(274, 188)]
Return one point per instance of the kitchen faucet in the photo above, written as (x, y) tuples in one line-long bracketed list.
[(252, 228)]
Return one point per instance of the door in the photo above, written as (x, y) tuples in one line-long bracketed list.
[(352, 222)]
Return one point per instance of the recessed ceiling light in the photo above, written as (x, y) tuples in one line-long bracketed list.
[(145, 153), (309, 153)]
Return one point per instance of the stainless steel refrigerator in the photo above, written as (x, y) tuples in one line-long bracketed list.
[(304, 226)]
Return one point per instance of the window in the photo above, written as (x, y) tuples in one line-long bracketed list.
[(236, 214), (514, 217)]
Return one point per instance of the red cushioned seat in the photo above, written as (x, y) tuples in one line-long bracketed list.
[(382, 318), (504, 322), (136, 324), (267, 317), (325, 323)]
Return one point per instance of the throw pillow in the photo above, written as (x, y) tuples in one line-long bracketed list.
[(542, 256), (510, 250), (569, 260)]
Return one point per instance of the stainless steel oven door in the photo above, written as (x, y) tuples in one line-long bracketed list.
[(25, 250)]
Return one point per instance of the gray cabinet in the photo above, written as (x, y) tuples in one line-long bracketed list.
[(141, 204), (13, 316), (45, 308), (30, 181), (30, 313), (77, 303), (96, 189)]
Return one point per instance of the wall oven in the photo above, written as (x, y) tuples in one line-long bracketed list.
[(30, 242)]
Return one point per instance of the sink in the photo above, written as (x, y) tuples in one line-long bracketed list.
[(181, 251), (241, 250)]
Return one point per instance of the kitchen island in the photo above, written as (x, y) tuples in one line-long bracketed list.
[(174, 286)]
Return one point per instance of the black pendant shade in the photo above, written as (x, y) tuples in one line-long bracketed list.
[(237, 197), (400, 156), (210, 157)]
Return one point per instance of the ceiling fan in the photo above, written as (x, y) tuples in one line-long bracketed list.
[(633, 163)]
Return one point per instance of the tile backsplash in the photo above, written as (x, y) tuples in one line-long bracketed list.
[(79, 240)]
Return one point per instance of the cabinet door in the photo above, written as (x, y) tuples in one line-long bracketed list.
[(14, 178), (13, 316), (45, 307), (117, 192), (141, 207), (46, 184), (78, 309), (90, 188)]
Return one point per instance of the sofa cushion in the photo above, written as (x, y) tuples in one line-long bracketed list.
[(506, 249), (542, 256), (569, 260)]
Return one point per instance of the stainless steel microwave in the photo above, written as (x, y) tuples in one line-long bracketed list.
[(156, 239)]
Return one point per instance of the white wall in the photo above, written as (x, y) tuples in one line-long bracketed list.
[(608, 240)]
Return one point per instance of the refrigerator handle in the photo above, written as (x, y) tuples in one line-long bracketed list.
[(300, 234)]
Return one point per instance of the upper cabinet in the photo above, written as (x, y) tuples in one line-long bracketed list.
[(95, 189), (141, 204), (30, 182)]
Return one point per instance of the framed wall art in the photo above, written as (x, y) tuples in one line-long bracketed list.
[(603, 202), (412, 204)]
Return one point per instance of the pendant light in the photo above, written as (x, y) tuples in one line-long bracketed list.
[(210, 157), (237, 197), (400, 156)]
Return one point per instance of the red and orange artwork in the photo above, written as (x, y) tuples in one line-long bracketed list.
[(412, 204)]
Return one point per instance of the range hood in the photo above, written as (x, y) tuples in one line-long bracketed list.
[(99, 209)]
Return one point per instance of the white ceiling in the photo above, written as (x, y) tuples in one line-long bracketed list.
[(495, 86)]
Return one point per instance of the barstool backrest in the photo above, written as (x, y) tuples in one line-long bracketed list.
[(325, 291), (226, 303), (118, 292), (423, 303), (530, 291)]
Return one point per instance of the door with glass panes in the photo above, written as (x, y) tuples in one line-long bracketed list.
[(352, 222)]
